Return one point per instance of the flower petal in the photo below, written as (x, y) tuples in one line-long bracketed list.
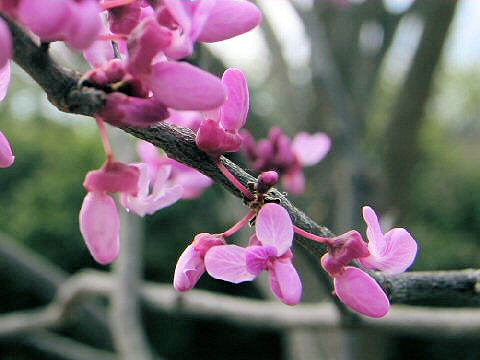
[(235, 108), (228, 263), (4, 80), (294, 181), (360, 292), (6, 155), (230, 18), (376, 241), (274, 227), (189, 269), (398, 255), (285, 282), (100, 226), (183, 86), (257, 258), (310, 149), (5, 44)]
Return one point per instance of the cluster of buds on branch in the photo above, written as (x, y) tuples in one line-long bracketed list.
[(135, 48)]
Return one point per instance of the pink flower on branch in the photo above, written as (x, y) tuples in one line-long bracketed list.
[(218, 133), (393, 253), (268, 250), (286, 157)]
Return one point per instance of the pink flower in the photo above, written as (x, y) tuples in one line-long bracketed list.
[(391, 253), (190, 265), (192, 182), (268, 250), (6, 155), (218, 133), (162, 193), (99, 221), (182, 86), (287, 157), (5, 45)]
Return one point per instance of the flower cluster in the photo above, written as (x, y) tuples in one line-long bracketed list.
[(286, 157), (391, 253), (268, 250)]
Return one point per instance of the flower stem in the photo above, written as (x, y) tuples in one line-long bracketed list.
[(234, 181), (112, 37), (239, 225), (104, 137), (306, 234), (114, 3)]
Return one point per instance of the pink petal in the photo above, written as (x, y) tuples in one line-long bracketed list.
[(4, 80), (201, 12), (230, 18), (257, 258), (113, 177), (376, 241), (182, 86), (285, 282), (294, 181), (274, 228), (310, 149), (214, 140), (177, 10), (85, 24), (100, 227), (188, 119), (6, 155), (235, 108), (228, 263), (5, 45), (192, 182), (398, 255), (360, 292), (47, 18), (189, 269)]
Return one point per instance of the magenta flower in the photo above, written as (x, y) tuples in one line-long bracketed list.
[(182, 86), (286, 157), (162, 194), (193, 182), (218, 133), (6, 155), (391, 253), (269, 250), (99, 221), (5, 46), (190, 265)]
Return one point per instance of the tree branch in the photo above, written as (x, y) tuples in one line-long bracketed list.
[(423, 322), (179, 143)]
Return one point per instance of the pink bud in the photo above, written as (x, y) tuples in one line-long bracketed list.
[(100, 226), (215, 141), (113, 177), (266, 180), (6, 155), (121, 110)]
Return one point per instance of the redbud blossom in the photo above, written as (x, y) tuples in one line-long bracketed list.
[(391, 253), (269, 250), (5, 44), (182, 86), (6, 155), (193, 182), (162, 193), (190, 265), (218, 133)]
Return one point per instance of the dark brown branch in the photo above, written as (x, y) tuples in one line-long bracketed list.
[(452, 288)]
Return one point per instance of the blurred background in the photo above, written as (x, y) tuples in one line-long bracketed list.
[(396, 84)]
